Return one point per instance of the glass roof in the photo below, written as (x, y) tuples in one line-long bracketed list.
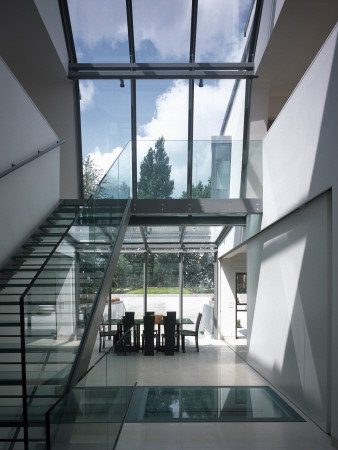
[(155, 51), (171, 238)]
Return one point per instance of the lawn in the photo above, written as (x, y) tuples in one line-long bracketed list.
[(160, 290)]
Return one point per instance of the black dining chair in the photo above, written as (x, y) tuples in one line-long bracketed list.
[(169, 322), (128, 322), (148, 335), (104, 332), (177, 336), (185, 333), (150, 313)]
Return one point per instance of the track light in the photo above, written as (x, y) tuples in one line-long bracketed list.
[(121, 83), (200, 84)]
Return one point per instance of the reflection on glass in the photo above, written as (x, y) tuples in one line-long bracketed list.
[(99, 30), (162, 30), (209, 404)]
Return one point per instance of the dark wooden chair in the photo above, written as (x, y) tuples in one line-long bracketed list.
[(185, 333), (148, 335), (169, 322), (177, 336), (131, 340), (104, 332)]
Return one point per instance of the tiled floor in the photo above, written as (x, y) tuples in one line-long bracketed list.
[(216, 364)]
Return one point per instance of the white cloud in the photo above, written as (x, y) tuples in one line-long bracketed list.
[(94, 21), (166, 24), (87, 90), (103, 161)]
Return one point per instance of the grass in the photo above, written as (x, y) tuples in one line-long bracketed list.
[(160, 290)]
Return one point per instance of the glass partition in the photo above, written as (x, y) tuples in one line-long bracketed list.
[(128, 282), (198, 283), (216, 168), (58, 303), (162, 283), (91, 415)]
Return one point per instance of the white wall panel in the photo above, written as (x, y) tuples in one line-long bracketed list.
[(30, 192), (23, 129), (288, 307)]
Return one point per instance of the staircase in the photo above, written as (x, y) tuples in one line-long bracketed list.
[(54, 277)]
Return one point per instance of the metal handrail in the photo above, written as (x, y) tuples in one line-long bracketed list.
[(31, 158)]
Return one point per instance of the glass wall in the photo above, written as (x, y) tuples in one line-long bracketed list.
[(198, 286), (127, 284), (162, 283)]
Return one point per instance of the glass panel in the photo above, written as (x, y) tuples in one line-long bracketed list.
[(105, 120), (209, 404), (198, 284), (99, 30), (162, 107), (220, 30), (94, 410), (210, 104), (162, 172), (217, 168), (128, 282), (162, 288), (58, 304), (117, 182), (162, 30)]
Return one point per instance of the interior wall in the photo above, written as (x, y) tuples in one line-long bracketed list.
[(289, 307), (28, 49), (228, 267), (300, 162), (30, 192)]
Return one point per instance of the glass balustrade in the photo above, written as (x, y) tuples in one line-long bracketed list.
[(216, 168), (91, 414), (57, 305)]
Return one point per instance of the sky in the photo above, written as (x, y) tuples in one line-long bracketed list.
[(162, 34)]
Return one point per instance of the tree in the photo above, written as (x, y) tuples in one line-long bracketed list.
[(91, 176), (155, 173), (200, 190)]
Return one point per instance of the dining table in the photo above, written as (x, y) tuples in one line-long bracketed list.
[(138, 322)]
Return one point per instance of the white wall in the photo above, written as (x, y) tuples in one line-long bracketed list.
[(288, 307), (30, 192), (49, 11), (227, 293), (34, 50), (289, 263)]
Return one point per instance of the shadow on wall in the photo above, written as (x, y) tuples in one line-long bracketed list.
[(289, 307)]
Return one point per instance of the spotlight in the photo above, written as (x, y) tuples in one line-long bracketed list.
[(200, 84), (121, 83)]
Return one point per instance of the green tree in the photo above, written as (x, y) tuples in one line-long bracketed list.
[(200, 190), (91, 176), (155, 173)]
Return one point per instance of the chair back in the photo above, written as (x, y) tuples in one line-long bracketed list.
[(171, 314), (150, 313), (148, 333), (128, 320), (198, 321), (169, 322)]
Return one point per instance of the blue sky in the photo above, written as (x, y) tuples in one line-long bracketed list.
[(162, 32)]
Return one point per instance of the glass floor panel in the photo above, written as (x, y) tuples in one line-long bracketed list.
[(209, 404)]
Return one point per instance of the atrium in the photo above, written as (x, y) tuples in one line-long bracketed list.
[(211, 128)]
